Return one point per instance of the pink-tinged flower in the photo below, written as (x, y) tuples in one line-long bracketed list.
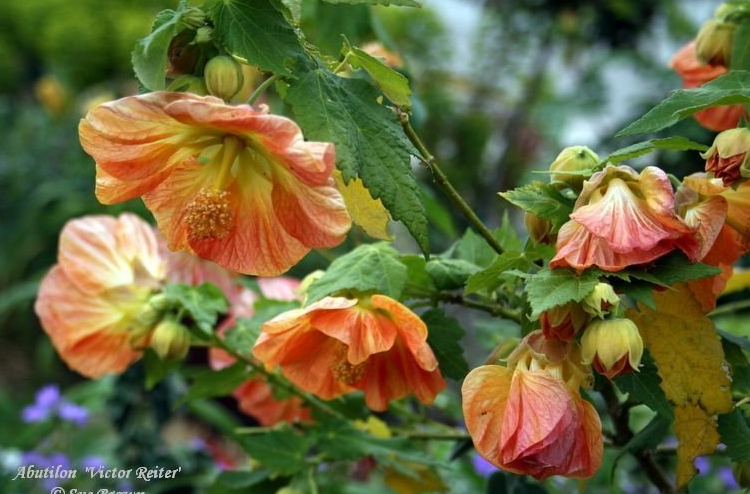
[(235, 185), (564, 321), (89, 303), (529, 417), (721, 217), (338, 345), (727, 157), (623, 218), (694, 73)]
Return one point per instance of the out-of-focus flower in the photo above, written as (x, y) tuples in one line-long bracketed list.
[(93, 462), (694, 74), (89, 303), (612, 346), (483, 467), (721, 217), (377, 50), (235, 185), (170, 340), (51, 94), (529, 417), (601, 300), (623, 218), (713, 44), (727, 158), (573, 159), (49, 403), (73, 413), (564, 321), (338, 345)]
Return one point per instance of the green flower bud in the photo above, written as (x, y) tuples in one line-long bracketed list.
[(193, 18), (188, 84), (204, 34), (713, 44), (223, 77), (601, 300), (170, 340), (160, 301), (732, 11), (573, 159)]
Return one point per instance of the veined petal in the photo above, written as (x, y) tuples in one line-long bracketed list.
[(412, 330), (138, 243), (300, 317), (359, 329), (111, 190), (588, 451), (255, 398), (279, 288), (707, 217)]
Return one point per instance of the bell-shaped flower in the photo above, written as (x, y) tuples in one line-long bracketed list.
[(601, 300), (339, 345), (92, 302), (233, 184), (564, 321), (529, 417), (727, 158), (623, 218), (694, 73), (613, 347)]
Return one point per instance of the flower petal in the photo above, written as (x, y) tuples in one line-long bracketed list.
[(360, 330), (255, 397)]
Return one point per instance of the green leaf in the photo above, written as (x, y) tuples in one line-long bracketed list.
[(368, 268), (740, 367), (202, 303), (220, 383), (641, 148), (644, 386), (675, 268), (729, 89), (473, 248), (552, 287), (238, 479), (507, 235), (448, 274), (281, 450), (735, 433), (401, 3), (150, 53), (741, 47), (639, 292), (257, 31), (646, 439), (490, 278), (394, 85), (444, 337), (247, 482), (544, 200), (370, 142), (156, 368), (416, 272), (242, 337)]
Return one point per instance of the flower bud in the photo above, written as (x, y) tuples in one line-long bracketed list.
[(308, 280), (601, 300), (714, 42), (193, 18), (741, 472), (170, 340), (612, 346), (539, 229), (223, 77), (563, 322), (182, 55), (727, 158), (204, 34), (573, 159), (188, 84)]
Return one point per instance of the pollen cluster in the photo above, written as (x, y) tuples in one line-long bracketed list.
[(343, 370), (208, 215)]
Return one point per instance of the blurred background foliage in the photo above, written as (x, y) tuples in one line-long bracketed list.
[(500, 87)]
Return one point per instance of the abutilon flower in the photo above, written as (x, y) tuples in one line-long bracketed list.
[(232, 184), (694, 73), (529, 417), (623, 218), (339, 345), (90, 302), (721, 217), (601, 300), (727, 157), (612, 346), (564, 321)]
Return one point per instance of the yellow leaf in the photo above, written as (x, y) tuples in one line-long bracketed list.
[(374, 426), (695, 377), (696, 430), (425, 479), (739, 281), (368, 213)]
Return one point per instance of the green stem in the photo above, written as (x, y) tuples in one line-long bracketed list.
[(433, 436), (256, 94), (442, 180), (342, 65), (277, 381), (495, 310), (730, 307)]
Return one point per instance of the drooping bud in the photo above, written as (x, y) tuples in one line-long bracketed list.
[(601, 300), (170, 340), (714, 42), (188, 84), (727, 158), (539, 229), (612, 346), (741, 472), (223, 77), (573, 159), (183, 55), (563, 322)]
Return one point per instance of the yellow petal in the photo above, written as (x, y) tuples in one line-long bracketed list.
[(368, 213)]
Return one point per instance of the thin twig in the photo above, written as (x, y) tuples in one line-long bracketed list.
[(256, 94), (730, 308)]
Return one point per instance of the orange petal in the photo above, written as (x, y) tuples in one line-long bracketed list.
[(694, 73), (720, 118), (360, 330), (412, 330), (111, 190), (255, 397)]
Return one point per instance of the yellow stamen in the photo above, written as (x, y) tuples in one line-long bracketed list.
[(344, 371), (208, 216)]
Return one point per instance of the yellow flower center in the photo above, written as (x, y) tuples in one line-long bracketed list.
[(208, 216), (343, 370)]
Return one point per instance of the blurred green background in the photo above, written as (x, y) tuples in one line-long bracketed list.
[(500, 88)]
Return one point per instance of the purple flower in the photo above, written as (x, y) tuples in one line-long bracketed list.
[(702, 464), (726, 475), (483, 467), (46, 401), (93, 462), (73, 413)]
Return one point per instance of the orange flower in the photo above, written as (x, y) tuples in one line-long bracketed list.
[(694, 74), (721, 216), (90, 302), (623, 218), (529, 417), (233, 184), (338, 345)]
